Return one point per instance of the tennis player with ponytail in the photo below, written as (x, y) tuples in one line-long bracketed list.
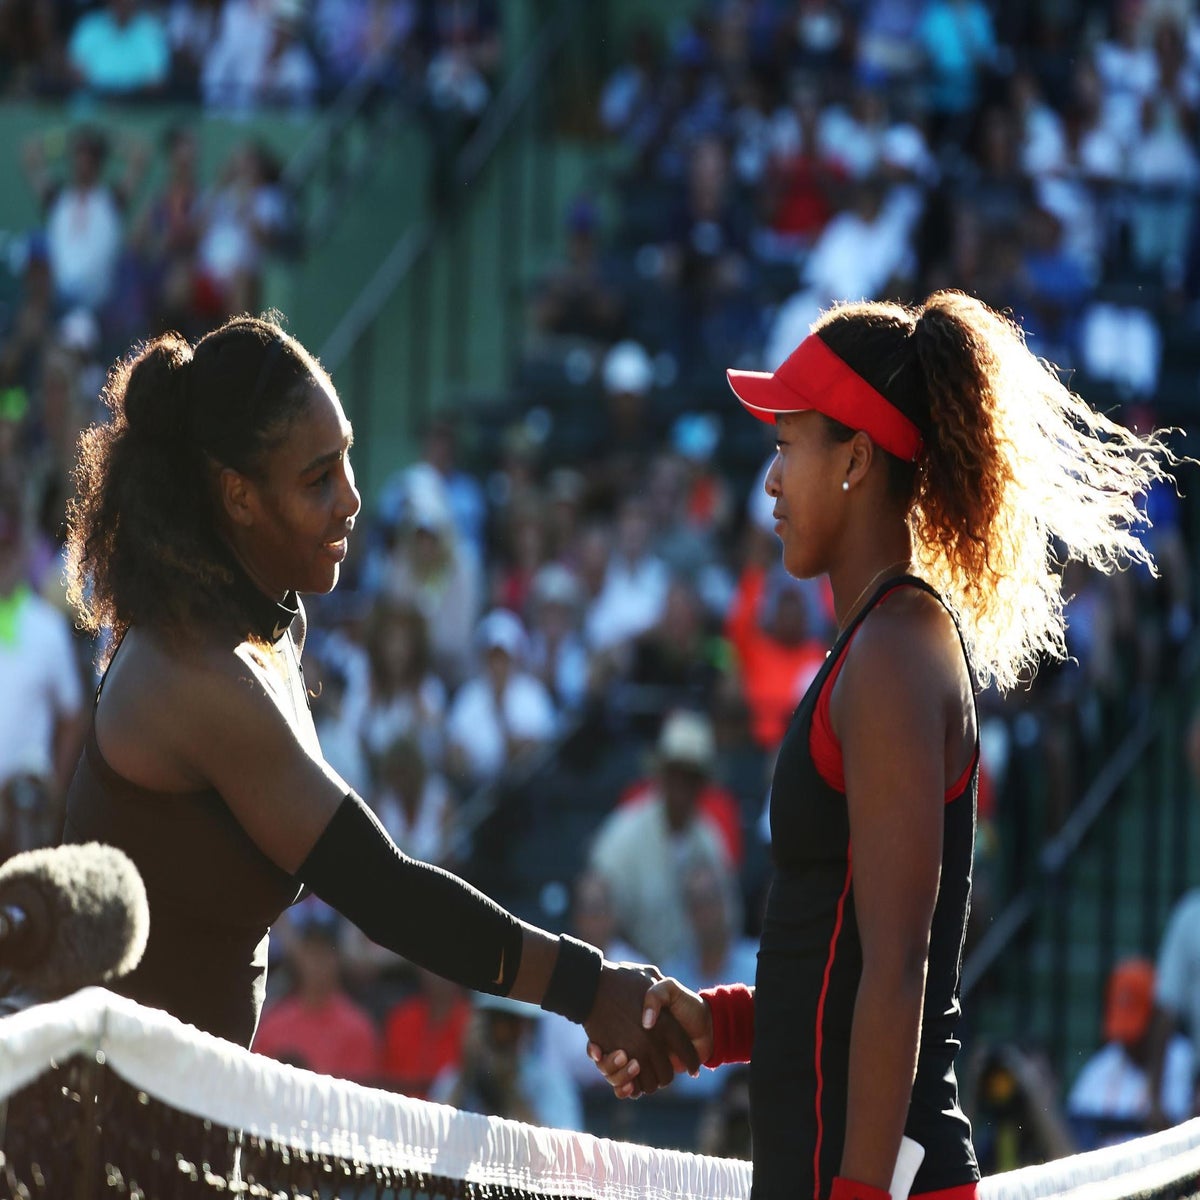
[(218, 490), (929, 464)]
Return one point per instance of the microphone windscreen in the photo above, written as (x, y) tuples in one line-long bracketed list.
[(90, 902)]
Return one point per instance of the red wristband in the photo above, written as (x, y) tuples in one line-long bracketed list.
[(732, 1009), (851, 1189)]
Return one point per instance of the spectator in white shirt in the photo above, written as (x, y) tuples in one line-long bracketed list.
[(502, 712), (635, 584), (260, 59)]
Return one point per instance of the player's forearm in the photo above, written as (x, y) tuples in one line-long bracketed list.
[(883, 1060)]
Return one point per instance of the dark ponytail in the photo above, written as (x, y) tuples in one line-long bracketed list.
[(142, 538), (153, 399)]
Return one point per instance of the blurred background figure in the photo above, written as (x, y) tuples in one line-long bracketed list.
[(424, 1034), (645, 848), (1110, 1100), (502, 712), (317, 1025), (506, 1071)]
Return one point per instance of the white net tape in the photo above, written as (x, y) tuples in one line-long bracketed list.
[(226, 1084), (207, 1077)]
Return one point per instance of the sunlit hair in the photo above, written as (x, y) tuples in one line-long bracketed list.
[(142, 540), (1018, 475)]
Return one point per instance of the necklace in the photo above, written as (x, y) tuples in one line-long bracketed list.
[(895, 566)]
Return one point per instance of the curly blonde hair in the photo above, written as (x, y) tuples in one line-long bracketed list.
[(1018, 476)]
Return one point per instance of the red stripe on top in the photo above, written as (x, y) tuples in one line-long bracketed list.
[(823, 743), (818, 1041)]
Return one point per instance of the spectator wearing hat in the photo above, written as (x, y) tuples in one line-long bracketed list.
[(501, 712), (509, 1070), (645, 849), (429, 563), (627, 376), (318, 1026), (558, 655), (685, 758), (1110, 1100)]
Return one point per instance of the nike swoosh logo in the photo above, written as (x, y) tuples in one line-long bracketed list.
[(280, 630), (500, 973)]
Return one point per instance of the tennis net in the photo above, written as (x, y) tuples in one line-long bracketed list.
[(100, 1097)]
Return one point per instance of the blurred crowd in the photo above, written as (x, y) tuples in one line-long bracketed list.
[(241, 55), (509, 596)]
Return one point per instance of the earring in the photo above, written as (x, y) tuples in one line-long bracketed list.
[(845, 485)]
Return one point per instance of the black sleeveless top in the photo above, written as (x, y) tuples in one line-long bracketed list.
[(213, 895), (809, 965)]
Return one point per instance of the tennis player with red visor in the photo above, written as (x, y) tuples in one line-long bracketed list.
[(927, 462)]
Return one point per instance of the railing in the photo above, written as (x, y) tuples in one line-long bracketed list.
[(329, 157), (417, 311)]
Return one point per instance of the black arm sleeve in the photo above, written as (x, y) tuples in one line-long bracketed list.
[(421, 912)]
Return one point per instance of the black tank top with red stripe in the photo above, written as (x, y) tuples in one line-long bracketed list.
[(809, 966)]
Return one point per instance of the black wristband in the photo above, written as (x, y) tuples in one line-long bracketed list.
[(571, 991)]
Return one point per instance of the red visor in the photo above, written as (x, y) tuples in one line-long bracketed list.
[(813, 377)]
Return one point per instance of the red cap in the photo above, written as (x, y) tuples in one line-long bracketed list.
[(813, 377), (1129, 1001)]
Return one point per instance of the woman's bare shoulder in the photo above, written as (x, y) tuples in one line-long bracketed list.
[(157, 669), (909, 639), (163, 701)]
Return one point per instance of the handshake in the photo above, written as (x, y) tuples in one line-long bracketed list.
[(637, 1046)]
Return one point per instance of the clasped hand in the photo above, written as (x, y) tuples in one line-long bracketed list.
[(644, 1028)]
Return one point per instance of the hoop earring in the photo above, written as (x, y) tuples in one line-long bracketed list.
[(845, 485)]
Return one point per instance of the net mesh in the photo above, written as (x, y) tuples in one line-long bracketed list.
[(100, 1097)]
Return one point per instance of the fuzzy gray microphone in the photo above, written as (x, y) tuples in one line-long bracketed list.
[(70, 917)]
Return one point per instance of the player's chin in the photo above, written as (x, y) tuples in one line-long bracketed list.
[(322, 577), (795, 562)]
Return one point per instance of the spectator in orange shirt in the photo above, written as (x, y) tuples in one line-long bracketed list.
[(771, 630), (319, 1026), (423, 1035)]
